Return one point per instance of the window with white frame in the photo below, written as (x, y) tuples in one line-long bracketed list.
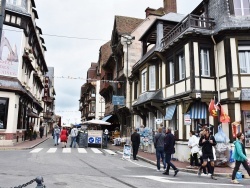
[(171, 72), (205, 62), (181, 66), (152, 78), (241, 7), (144, 80), (244, 59)]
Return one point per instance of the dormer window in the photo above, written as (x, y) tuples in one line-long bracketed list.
[(240, 7)]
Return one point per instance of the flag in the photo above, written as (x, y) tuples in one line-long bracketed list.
[(224, 118), (213, 108)]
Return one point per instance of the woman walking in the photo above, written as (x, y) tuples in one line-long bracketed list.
[(64, 137), (240, 157)]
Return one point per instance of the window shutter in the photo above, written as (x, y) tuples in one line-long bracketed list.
[(231, 6)]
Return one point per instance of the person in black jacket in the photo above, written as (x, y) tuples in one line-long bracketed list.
[(135, 139), (169, 149), (207, 141)]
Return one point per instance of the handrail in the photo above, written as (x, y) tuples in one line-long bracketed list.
[(189, 21)]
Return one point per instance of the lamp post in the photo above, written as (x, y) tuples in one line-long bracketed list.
[(128, 40)]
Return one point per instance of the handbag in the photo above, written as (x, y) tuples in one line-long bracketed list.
[(59, 140)]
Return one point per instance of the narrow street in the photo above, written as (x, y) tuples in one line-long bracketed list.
[(91, 167)]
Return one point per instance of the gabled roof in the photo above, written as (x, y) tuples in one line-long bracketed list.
[(105, 52), (124, 24)]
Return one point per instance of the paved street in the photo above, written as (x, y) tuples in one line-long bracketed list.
[(91, 167)]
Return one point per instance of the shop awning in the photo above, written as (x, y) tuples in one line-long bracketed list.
[(198, 110), (170, 112), (106, 118)]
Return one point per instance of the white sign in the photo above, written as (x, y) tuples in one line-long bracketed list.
[(126, 151), (187, 120), (158, 121), (95, 136)]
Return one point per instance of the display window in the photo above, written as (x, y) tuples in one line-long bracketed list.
[(246, 119)]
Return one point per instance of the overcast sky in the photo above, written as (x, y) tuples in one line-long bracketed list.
[(74, 30)]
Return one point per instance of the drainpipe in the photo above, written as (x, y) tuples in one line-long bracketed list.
[(217, 74), (2, 16)]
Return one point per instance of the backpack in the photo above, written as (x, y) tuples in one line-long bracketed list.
[(57, 131)]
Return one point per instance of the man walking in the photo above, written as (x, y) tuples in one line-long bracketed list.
[(159, 146), (73, 135), (169, 149), (207, 142), (135, 139)]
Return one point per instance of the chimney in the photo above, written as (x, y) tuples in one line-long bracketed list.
[(169, 6), (148, 11)]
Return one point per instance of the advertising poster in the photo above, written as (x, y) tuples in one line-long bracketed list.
[(10, 47), (126, 151)]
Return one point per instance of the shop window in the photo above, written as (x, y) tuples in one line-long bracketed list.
[(246, 116), (4, 102)]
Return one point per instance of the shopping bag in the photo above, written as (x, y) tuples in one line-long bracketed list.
[(59, 140)]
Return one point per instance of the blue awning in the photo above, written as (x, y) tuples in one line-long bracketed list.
[(170, 112), (198, 110), (106, 118)]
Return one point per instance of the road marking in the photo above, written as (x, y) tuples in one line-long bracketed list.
[(36, 150), (81, 150), (52, 150), (95, 150), (110, 152), (168, 180), (66, 150)]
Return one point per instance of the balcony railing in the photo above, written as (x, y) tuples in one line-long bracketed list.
[(190, 21)]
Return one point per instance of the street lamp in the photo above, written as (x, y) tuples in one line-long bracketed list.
[(128, 40)]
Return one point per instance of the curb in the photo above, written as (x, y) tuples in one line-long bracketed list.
[(21, 148)]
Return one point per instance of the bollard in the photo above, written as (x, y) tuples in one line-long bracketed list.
[(39, 181)]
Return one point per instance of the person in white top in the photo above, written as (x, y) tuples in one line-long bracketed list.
[(73, 135), (193, 144)]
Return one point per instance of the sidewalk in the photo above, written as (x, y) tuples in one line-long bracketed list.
[(145, 156)]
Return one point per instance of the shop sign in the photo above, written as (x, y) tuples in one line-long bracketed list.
[(245, 94), (187, 119)]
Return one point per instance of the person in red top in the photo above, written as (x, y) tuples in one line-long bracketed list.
[(64, 137)]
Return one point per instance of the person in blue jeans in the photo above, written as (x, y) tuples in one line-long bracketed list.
[(159, 146), (57, 132), (73, 134), (169, 148)]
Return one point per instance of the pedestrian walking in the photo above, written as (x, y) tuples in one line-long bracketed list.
[(64, 137), (159, 146), (169, 149), (240, 157), (193, 144), (73, 135), (56, 134), (135, 139), (41, 131), (207, 142)]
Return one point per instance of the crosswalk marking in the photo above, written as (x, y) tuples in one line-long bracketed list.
[(95, 150), (71, 150), (52, 150), (110, 152), (36, 150), (66, 150), (81, 150)]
